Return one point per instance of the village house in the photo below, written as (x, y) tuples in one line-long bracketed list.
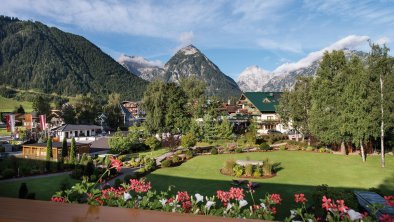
[(261, 107), (39, 150), (71, 130), (132, 113)]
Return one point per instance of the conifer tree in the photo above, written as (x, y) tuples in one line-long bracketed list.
[(64, 148), (72, 151)]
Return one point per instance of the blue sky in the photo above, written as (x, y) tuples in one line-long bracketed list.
[(233, 34)]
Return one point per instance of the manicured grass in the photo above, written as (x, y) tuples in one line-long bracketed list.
[(8, 105), (3, 132), (44, 188), (301, 173), (154, 153)]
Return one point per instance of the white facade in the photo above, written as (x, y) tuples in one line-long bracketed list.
[(75, 133)]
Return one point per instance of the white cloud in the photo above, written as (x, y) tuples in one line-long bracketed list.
[(383, 40), (349, 42), (140, 60), (284, 46)]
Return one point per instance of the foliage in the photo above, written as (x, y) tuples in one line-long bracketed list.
[(73, 150), (41, 105), (122, 144), (249, 170), (68, 113), (189, 154), (257, 171), (64, 149), (23, 191), (238, 150), (153, 143), (188, 140), (166, 163), (238, 170), (214, 151), (175, 159), (225, 130), (8, 173), (86, 108), (54, 61), (267, 167), (265, 147), (49, 149), (228, 167), (209, 128)]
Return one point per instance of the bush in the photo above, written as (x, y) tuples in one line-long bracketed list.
[(238, 170), (310, 148), (249, 170), (264, 146), (129, 177), (189, 154), (257, 171), (214, 151), (23, 191), (8, 173), (188, 140), (153, 143), (267, 167), (228, 167), (118, 183), (282, 147), (166, 163), (322, 150), (122, 158), (175, 159), (64, 184), (238, 150), (150, 164)]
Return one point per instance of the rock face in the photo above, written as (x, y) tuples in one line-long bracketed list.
[(188, 61), (141, 67), (284, 77)]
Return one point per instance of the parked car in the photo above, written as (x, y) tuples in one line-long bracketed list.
[(272, 131)]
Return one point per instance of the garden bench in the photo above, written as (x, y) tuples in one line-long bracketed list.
[(367, 198)]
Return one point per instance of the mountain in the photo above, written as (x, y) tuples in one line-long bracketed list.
[(284, 76), (188, 61), (141, 67), (252, 78), (46, 59)]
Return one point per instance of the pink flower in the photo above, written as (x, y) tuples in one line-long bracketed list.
[(140, 186), (326, 203), (276, 198), (223, 196), (341, 206), (389, 200), (187, 205), (58, 199), (237, 193), (116, 163), (182, 196), (300, 198), (386, 218)]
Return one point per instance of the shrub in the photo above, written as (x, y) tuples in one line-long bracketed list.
[(282, 147), (214, 151), (129, 177), (64, 184), (238, 150), (238, 170), (153, 143), (178, 152), (8, 173), (228, 167), (118, 183), (264, 146), (23, 191), (257, 171), (83, 159), (267, 167), (175, 159), (188, 140), (249, 170), (189, 154), (150, 164), (310, 148), (166, 163), (322, 150), (122, 158)]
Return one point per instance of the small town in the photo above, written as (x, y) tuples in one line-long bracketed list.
[(196, 111)]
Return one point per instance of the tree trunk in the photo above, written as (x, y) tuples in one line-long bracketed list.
[(382, 123), (343, 148), (362, 150)]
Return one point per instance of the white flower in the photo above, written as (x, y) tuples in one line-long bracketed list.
[(354, 215), (263, 206), (310, 220), (209, 204), (229, 206), (139, 197), (242, 203), (199, 197), (126, 196), (292, 213), (163, 201)]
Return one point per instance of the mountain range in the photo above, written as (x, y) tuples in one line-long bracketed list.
[(284, 77), (46, 59), (188, 61)]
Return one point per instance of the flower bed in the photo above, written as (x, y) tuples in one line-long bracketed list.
[(250, 169)]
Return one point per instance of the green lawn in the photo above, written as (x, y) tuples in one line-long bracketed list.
[(301, 172), (44, 188), (154, 153), (8, 105)]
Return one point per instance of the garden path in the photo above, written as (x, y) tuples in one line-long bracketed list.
[(34, 177)]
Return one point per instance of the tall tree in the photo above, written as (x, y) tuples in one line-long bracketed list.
[(195, 92), (64, 149), (177, 119), (381, 65), (86, 108), (49, 149), (68, 113), (225, 130), (327, 121), (154, 104), (73, 150), (41, 105), (112, 110)]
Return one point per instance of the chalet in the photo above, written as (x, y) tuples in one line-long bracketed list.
[(70, 130), (261, 107), (39, 150), (132, 113)]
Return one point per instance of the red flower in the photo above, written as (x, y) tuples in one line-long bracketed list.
[(273, 210), (276, 198), (187, 205), (223, 196), (99, 200), (237, 193), (170, 200), (116, 163), (256, 207), (140, 186), (300, 198), (58, 199), (386, 218), (326, 203), (341, 206), (389, 200), (182, 196)]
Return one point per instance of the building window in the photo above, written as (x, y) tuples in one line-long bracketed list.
[(270, 118)]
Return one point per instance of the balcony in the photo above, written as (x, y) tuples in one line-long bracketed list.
[(35, 210)]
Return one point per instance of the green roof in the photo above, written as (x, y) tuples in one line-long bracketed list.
[(263, 101)]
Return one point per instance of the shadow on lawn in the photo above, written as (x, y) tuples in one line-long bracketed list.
[(209, 187)]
